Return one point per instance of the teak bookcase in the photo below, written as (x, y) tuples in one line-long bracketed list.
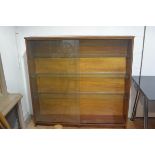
[(80, 80)]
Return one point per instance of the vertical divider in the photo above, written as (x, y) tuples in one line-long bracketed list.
[(128, 78), (78, 78)]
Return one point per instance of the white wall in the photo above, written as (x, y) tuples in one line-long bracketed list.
[(9, 57), (11, 62), (22, 32), (149, 53)]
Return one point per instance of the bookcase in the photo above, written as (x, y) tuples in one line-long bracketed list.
[(80, 80)]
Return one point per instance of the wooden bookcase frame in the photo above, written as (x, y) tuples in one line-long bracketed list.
[(33, 82)]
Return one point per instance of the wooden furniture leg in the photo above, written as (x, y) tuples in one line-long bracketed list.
[(145, 113), (4, 122), (135, 106), (20, 115)]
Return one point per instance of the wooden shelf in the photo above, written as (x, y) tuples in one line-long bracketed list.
[(76, 56), (60, 37), (78, 75), (79, 93)]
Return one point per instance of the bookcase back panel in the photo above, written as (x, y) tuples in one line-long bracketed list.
[(56, 65), (103, 119), (103, 47), (107, 64), (101, 104), (54, 104), (82, 65), (82, 84), (57, 84), (100, 84)]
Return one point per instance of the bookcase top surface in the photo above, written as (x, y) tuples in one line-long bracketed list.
[(76, 37)]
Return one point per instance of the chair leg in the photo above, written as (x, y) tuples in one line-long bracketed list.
[(20, 116), (4, 122), (135, 106), (145, 114)]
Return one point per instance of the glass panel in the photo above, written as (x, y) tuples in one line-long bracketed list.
[(55, 48), (58, 95), (74, 78)]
